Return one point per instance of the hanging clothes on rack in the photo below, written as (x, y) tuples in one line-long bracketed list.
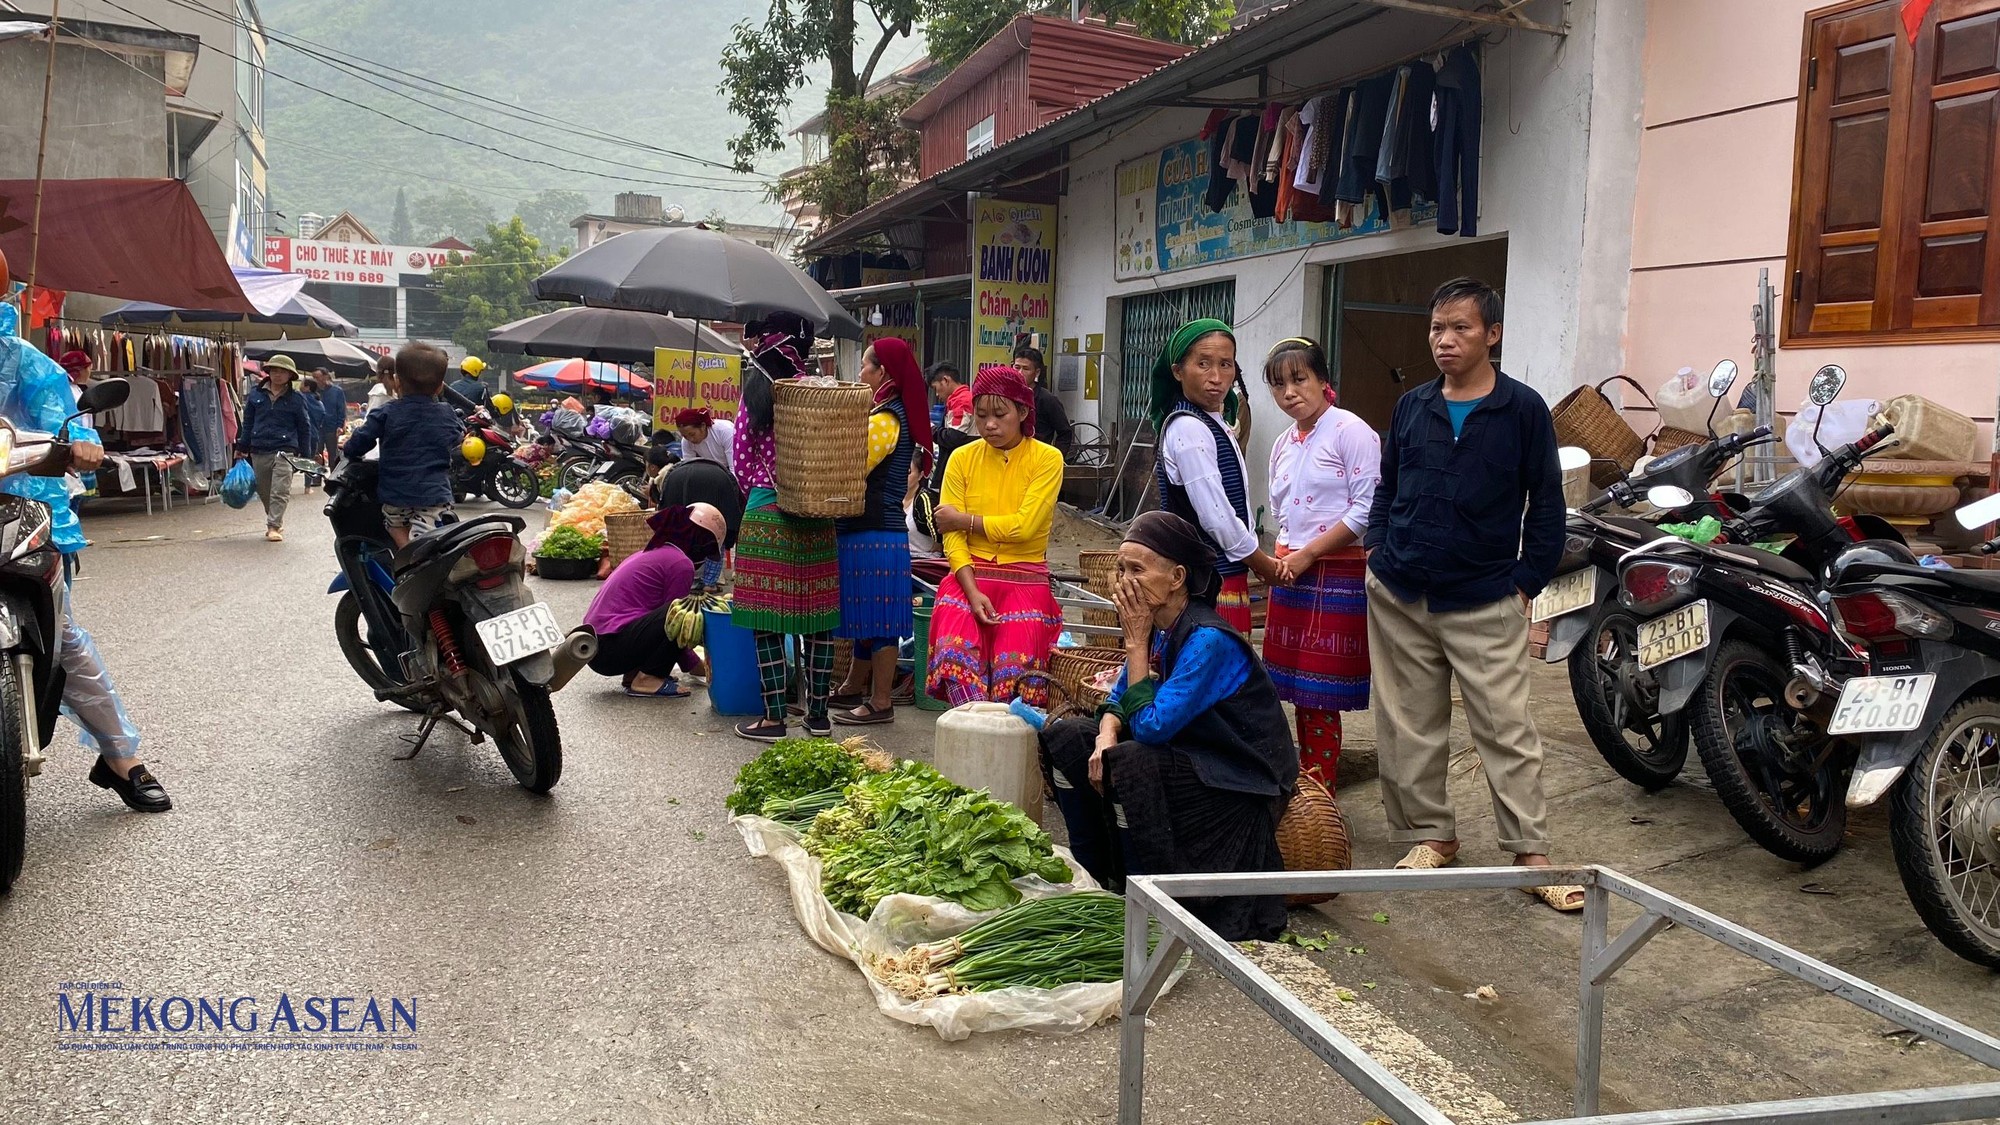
[(1456, 144)]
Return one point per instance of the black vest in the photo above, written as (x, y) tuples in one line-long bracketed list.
[(1242, 744), (1174, 497), (887, 483)]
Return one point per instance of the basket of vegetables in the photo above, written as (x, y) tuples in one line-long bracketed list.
[(568, 553)]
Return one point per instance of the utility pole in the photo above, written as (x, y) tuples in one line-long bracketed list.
[(41, 156)]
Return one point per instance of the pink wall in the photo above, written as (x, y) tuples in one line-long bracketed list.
[(1714, 205)]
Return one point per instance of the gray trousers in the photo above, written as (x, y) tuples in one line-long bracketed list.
[(274, 485)]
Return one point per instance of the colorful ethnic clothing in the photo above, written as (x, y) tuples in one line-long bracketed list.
[(875, 585), (1316, 637), (971, 661), (787, 570)]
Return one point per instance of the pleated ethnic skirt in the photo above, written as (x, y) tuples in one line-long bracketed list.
[(787, 572), (1232, 604), (971, 661), (875, 585), (1316, 636)]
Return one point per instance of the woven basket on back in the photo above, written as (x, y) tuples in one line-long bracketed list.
[(1100, 569), (626, 534), (1072, 669), (1670, 438), (822, 441), (1586, 418), (1313, 837)]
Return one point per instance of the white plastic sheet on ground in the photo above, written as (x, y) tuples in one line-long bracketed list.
[(901, 921)]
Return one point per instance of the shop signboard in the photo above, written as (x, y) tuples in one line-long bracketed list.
[(353, 263), (682, 379), (899, 317), (1014, 287)]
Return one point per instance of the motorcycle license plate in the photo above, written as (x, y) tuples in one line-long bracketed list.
[(1567, 594), (1882, 703), (600, 468), (1683, 632), (520, 634)]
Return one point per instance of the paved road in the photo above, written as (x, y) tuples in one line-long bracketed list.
[(609, 953)]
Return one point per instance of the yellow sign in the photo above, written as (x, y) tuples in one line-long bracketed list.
[(898, 320), (1014, 289), (682, 379), (1090, 373)]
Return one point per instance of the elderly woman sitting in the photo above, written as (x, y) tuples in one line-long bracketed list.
[(1190, 764)]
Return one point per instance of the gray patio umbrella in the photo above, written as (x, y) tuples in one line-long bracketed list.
[(695, 273), (609, 335), (338, 356)]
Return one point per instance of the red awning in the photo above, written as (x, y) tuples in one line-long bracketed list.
[(140, 240)]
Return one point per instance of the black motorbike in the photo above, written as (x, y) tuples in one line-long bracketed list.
[(499, 475), (622, 463), (445, 628), (33, 600)]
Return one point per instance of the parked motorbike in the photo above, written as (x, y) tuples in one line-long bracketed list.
[(445, 628), (1926, 717), (33, 600), (1738, 634), (605, 459), (1616, 700), (500, 475)]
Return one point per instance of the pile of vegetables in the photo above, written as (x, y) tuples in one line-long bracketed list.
[(794, 770), (569, 543), (911, 830), (1042, 943)]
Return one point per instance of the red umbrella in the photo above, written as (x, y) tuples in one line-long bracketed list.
[(576, 374)]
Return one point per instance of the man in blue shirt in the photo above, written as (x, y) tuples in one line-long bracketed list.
[(1466, 528), (333, 410)]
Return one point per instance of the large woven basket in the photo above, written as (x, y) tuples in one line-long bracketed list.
[(1586, 418), (822, 442), (1670, 438), (626, 534), (1312, 836), (1072, 669), (1100, 569)]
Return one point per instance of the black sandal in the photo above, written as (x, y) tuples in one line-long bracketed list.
[(865, 715), (761, 730)]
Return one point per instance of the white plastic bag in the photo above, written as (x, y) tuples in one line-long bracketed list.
[(1845, 422), (900, 921)]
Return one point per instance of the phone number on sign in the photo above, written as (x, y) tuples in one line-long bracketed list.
[(351, 277)]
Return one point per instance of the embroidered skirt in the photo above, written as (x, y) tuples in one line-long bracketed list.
[(874, 585), (1316, 637), (787, 573), (1233, 603), (972, 661)]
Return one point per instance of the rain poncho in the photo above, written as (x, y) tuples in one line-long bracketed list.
[(36, 394)]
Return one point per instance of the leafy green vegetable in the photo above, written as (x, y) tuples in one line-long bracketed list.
[(1042, 943), (911, 830), (798, 812), (569, 543), (1382, 919), (790, 769)]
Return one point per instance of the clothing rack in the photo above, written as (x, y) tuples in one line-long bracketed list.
[(1307, 93)]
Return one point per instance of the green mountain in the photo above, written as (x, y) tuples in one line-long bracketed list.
[(638, 70)]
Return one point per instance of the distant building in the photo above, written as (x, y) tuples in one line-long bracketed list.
[(387, 291), (633, 211), (344, 227), (310, 224), (108, 111)]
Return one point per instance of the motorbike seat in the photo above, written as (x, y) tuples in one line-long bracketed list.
[(448, 538), (1763, 560)]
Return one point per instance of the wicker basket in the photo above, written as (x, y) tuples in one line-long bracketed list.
[(1072, 668), (1586, 418), (626, 534), (1670, 438), (1100, 569), (1312, 836), (822, 448)]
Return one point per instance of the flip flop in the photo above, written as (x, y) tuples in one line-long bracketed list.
[(865, 715), (1558, 897), (1423, 857), (668, 690)]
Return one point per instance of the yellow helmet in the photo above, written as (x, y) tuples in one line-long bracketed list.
[(472, 365), (474, 450), (502, 403)]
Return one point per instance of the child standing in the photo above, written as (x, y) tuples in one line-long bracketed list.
[(418, 434)]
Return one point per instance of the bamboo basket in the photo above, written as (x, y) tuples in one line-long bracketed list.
[(1312, 836), (1670, 438), (626, 534), (1586, 418), (821, 435), (1072, 668), (1099, 569)]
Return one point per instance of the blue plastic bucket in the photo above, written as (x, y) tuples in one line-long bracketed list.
[(732, 666)]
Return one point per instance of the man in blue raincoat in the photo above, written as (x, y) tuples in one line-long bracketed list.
[(35, 394)]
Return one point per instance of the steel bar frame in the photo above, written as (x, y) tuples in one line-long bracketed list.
[(1152, 900)]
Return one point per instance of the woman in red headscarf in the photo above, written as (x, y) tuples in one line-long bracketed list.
[(996, 619), (875, 545), (704, 437)]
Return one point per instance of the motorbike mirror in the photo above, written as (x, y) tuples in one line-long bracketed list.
[(1668, 497), (1571, 458), (1979, 513), (1722, 378), (105, 394), (1826, 384)]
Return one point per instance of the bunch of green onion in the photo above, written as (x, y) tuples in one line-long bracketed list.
[(1041, 943), (799, 811)]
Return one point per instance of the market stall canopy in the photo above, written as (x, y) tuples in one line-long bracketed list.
[(281, 311), (613, 335), (696, 273), (140, 240), (579, 374), (338, 356)]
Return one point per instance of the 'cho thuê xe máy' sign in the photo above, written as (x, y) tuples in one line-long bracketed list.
[(682, 379), (353, 263), (1014, 286)]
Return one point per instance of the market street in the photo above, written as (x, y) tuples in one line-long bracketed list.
[(610, 953)]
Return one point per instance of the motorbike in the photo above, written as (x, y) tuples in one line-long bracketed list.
[(445, 628), (33, 601), (1926, 717), (1617, 701), (1739, 635), (499, 475), (603, 459)]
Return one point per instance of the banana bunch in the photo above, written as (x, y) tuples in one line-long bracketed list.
[(685, 624)]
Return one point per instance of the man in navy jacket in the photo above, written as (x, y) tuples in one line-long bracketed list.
[(1467, 527)]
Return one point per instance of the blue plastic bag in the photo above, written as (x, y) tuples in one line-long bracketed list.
[(239, 485)]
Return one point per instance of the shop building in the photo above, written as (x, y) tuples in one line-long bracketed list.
[(388, 292)]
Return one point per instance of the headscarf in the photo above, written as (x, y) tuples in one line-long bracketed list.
[(694, 416), (697, 529), (73, 359), (1003, 380), (1167, 387), (906, 381), (778, 346), (1179, 542)]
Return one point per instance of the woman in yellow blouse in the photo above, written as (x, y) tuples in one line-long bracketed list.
[(996, 619)]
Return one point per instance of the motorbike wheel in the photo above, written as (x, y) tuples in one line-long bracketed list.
[(532, 745), (15, 741), (347, 626), (633, 484), (1770, 764), (514, 486), (573, 474), (1942, 818), (1619, 704)]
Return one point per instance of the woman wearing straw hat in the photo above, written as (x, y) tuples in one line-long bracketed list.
[(276, 427)]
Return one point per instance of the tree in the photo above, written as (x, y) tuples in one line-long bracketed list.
[(495, 286), (548, 214), (400, 231), (451, 212)]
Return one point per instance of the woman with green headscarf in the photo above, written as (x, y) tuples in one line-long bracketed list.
[(1200, 465)]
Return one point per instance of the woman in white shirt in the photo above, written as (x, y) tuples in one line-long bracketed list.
[(704, 437), (1323, 476)]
